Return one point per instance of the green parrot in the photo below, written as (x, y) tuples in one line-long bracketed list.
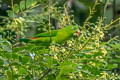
[(57, 36)]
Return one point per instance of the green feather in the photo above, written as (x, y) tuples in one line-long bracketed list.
[(57, 36), (46, 34)]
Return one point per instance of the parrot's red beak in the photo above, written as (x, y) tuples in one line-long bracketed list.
[(77, 33)]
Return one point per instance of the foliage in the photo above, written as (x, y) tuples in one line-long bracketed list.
[(86, 57)]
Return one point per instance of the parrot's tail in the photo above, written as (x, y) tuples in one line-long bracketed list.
[(24, 40)]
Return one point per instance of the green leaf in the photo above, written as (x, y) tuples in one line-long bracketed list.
[(6, 46), (25, 59), (15, 56), (34, 66), (8, 55), (15, 63), (27, 77), (29, 3), (10, 13), (111, 66), (65, 68), (22, 5), (116, 60), (95, 70), (9, 75), (49, 62), (16, 8), (22, 71), (1, 62)]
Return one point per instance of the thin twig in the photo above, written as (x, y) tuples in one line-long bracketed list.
[(11, 68), (45, 73), (92, 11), (111, 23)]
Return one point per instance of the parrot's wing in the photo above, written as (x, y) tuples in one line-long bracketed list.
[(41, 41), (46, 34), (39, 37), (44, 41)]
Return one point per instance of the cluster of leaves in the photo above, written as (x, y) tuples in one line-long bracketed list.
[(85, 57), (13, 24)]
